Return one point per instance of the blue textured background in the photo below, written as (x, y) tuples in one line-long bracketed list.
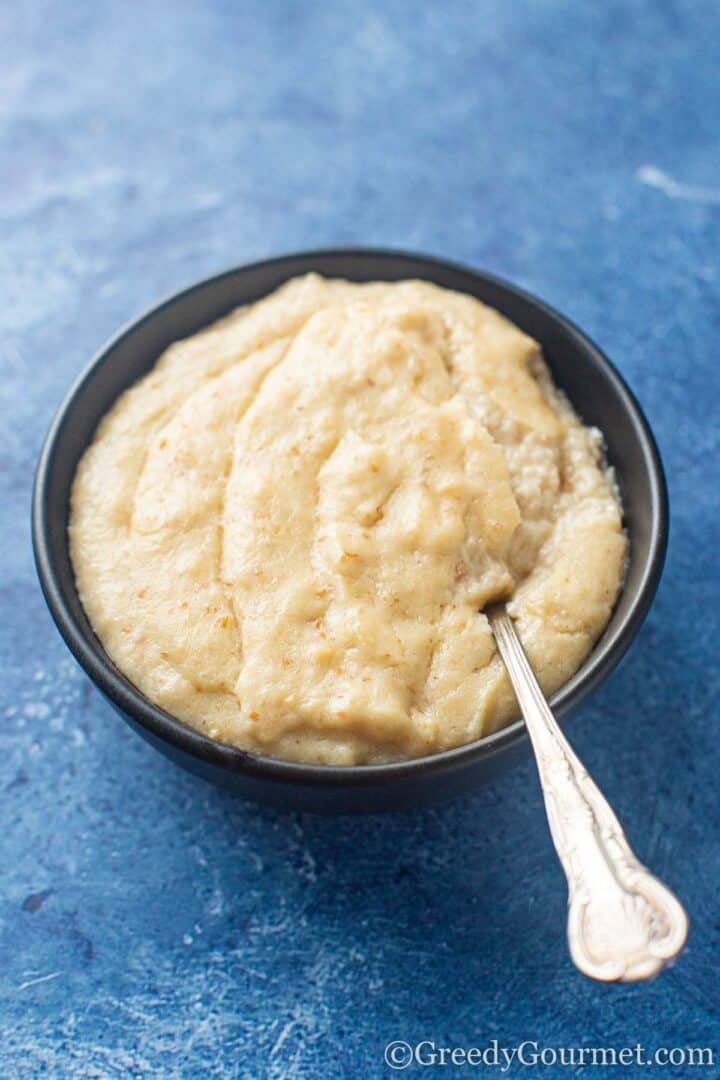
[(155, 927)]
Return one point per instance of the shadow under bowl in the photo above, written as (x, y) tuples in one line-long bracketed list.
[(592, 384)]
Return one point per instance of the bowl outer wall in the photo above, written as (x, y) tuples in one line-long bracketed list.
[(593, 385)]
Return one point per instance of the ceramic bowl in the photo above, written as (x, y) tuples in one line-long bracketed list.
[(591, 382)]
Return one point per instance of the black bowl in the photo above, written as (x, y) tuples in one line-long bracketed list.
[(590, 381)]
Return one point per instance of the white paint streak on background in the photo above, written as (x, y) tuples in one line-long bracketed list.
[(675, 189), (39, 979)]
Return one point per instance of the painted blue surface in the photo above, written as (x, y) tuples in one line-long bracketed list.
[(155, 927)]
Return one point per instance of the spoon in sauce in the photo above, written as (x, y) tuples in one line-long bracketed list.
[(623, 924)]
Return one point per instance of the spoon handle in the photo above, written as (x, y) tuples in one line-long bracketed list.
[(623, 924)]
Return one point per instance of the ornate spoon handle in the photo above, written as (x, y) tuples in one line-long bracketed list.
[(623, 924)]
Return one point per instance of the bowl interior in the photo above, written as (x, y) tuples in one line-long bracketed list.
[(594, 387)]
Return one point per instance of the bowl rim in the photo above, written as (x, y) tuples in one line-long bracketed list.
[(167, 728)]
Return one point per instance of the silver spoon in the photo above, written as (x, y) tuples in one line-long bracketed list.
[(623, 924)]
